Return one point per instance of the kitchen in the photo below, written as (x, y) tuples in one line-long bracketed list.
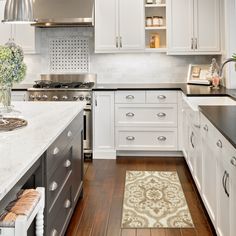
[(111, 101)]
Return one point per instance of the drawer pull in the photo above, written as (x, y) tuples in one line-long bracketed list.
[(219, 144), (67, 163), (205, 128), (130, 97), (161, 97), (56, 151), (130, 114), (53, 186), (161, 138), (197, 126), (130, 138), (67, 204), (233, 161), (69, 134), (54, 233), (161, 114)]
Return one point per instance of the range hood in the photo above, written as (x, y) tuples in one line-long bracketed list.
[(56, 13)]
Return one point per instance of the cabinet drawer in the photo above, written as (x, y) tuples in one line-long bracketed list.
[(58, 178), (161, 97), (130, 97), (134, 138), (146, 115), (59, 217)]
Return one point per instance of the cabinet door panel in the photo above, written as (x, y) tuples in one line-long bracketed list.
[(180, 25), (207, 25), (131, 18), (106, 25)]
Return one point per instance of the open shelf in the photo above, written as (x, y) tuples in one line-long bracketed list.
[(161, 49), (155, 5), (155, 28)]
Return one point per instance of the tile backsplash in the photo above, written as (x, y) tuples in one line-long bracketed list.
[(113, 68)]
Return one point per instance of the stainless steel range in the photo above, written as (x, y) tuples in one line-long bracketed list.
[(71, 87)]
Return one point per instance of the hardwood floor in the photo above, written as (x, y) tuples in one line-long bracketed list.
[(99, 212)]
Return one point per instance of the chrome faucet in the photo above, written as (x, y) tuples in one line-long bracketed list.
[(224, 63)]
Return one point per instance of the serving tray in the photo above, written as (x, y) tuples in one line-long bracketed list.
[(9, 124)]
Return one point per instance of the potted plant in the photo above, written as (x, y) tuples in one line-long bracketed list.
[(12, 70)]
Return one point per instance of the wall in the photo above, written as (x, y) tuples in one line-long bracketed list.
[(114, 68)]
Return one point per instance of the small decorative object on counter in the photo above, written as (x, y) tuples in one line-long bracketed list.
[(149, 1), (154, 40), (12, 70), (215, 81), (149, 21)]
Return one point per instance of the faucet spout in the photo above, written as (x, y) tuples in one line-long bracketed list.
[(224, 63)]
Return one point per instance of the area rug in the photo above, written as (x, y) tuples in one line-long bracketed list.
[(154, 199)]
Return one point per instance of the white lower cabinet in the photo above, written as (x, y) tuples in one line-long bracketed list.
[(232, 192), (103, 125)]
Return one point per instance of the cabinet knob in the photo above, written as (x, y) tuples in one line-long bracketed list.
[(54, 233), (219, 144), (130, 114), (130, 97), (130, 138), (205, 128), (161, 138), (69, 134), (67, 204), (161, 97), (233, 161), (56, 151), (67, 163), (53, 186), (197, 126), (161, 114)]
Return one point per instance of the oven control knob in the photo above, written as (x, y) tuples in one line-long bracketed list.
[(75, 98), (55, 98), (88, 98), (32, 97), (81, 98), (44, 97), (64, 98), (38, 97)]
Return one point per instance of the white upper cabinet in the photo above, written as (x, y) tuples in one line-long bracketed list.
[(23, 35), (194, 27), (119, 25)]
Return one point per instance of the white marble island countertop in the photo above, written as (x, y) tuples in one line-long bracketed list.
[(20, 149)]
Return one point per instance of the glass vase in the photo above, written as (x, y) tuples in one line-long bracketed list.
[(6, 97)]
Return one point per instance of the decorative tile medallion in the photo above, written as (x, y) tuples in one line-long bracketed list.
[(154, 199)]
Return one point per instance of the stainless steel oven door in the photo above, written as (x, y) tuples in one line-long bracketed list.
[(88, 131)]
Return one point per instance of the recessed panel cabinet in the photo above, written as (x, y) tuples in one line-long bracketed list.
[(194, 27), (119, 25)]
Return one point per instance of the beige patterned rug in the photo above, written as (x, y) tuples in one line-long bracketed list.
[(154, 199)]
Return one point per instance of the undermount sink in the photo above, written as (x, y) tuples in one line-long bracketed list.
[(194, 102)]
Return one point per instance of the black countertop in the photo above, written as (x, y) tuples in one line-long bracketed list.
[(224, 119)]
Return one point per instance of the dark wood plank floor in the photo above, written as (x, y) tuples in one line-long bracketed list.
[(99, 212)]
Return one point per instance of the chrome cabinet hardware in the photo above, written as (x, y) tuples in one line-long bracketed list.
[(130, 138), (96, 102), (219, 144), (67, 163), (130, 114), (56, 151), (67, 204), (161, 114), (130, 97), (161, 97), (195, 43), (69, 134), (161, 138), (54, 233), (197, 126), (53, 186), (117, 42), (121, 44), (205, 128), (224, 182), (192, 42), (191, 139), (233, 161)]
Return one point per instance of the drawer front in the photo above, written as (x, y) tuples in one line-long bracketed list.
[(130, 97), (162, 97), (146, 139), (59, 218), (58, 178), (136, 115)]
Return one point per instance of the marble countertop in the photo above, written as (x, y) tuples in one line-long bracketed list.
[(20, 149)]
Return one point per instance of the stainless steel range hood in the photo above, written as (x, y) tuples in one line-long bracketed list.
[(57, 13)]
